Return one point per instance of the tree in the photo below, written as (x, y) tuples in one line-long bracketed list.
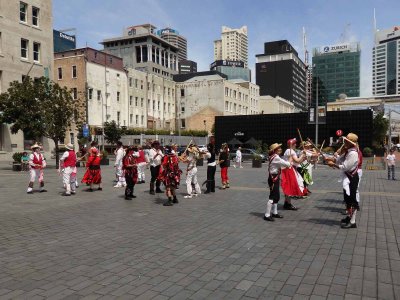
[(380, 128), (112, 132), (41, 107)]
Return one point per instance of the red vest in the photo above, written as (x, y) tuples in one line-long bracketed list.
[(141, 158), (37, 161), (70, 161)]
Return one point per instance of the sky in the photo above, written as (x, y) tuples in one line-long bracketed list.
[(200, 21)]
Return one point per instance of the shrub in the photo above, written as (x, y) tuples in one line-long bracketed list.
[(17, 156), (367, 152)]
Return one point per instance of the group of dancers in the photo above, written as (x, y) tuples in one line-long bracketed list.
[(294, 174)]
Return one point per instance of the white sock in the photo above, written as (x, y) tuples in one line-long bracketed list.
[(269, 206), (353, 217), (275, 208)]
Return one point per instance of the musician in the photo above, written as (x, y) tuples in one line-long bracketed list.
[(211, 166), (274, 171), (155, 158), (93, 170), (119, 156), (141, 165), (170, 175), (305, 167), (68, 169), (190, 157), (348, 163), (130, 169), (37, 163)]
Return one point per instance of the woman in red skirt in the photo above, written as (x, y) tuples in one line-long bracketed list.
[(93, 171), (129, 165), (292, 182)]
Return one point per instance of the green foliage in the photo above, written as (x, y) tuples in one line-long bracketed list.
[(256, 156), (380, 128), (112, 132), (40, 107), (367, 152), (17, 156), (104, 154)]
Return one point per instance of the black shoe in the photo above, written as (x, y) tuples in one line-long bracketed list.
[(175, 200), (65, 194), (270, 219), (159, 191), (89, 190), (349, 225), (345, 220), (277, 216), (128, 198), (213, 191), (143, 181), (100, 189), (207, 192), (31, 192), (289, 206), (132, 196), (168, 203), (152, 193), (42, 191)]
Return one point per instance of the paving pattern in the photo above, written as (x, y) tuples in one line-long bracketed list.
[(100, 246)]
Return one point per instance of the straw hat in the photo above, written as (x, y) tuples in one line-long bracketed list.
[(273, 147), (35, 146), (69, 146), (351, 138)]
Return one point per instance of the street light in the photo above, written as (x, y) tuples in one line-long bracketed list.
[(205, 129)]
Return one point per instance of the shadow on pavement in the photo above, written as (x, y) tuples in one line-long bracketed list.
[(257, 214), (331, 209), (325, 222)]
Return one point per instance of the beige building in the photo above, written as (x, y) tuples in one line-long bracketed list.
[(26, 48), (151, 101), (233, 45), (276, 105), (202, 96)]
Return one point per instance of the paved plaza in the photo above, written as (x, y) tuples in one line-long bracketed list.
[(100, 246)]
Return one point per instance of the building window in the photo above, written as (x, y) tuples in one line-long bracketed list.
[(130, 81), (158, 105), (24, 48), (60, 75), (118, 116), (182, 92), (23, 9), (1, 44), (75, 93), (35, 16), (136, 83), (118, 94), (90, 94), (74, 72), (131, 118), (142, 120), (182, 109), (154, 105), (169, 107), (183, 123), (98, 95), (226, 106), (141, 84), (137, 119), (136, 101), (130, 100), (141, 102)]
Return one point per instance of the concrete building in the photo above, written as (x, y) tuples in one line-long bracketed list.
[(187, 66), (336, 70), (142, 49), (386, 62), (151, 101), (280, 72), (202, 96), (173, 37), (26, 48), (231, 68), (233, 45), (276, 105), (99, 84)]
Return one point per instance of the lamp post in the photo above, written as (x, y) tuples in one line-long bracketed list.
[(316, 112), (205, 129)]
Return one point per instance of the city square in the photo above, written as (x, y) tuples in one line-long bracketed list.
[(216, 246)]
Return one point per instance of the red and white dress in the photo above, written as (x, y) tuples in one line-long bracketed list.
[(93, 171), (291, 181)]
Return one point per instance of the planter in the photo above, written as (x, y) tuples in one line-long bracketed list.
[(200, 162), (256, 163), (104, 162), (16, 166)]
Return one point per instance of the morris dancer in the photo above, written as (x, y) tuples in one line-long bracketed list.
[(155, 158), (36, 163), (348, 163), (274, 171), (211, 166), (191, 156), (141, 165), (68, 170), (130, 172), (305, 168), (93, 171), (292, 182), (224, 164), (170, 175), (119, 156)]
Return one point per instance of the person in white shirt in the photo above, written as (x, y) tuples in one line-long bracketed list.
[(348, 163), (68, 170), (119, 156), (36, 165), (155, 159), (274, 171), (238, 158), (391, 163), (191, 175)]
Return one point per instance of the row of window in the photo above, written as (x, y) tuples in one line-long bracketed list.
[(136, 119), (237, 109), (60, 73), (24, 15), (135, 82), (25, 50), (99, 95)]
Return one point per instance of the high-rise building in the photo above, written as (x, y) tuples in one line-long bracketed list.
[(336, 70), (386, 62), (141, 49), (26, 49), (172, 36), (232, 68), (280, 72), (63, 41), (233, 45), (187, 66)]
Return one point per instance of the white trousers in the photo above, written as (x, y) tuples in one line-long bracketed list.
[(121, 176), (192, 177), (358, 187), (69, 179), (141, 167), (36, 173)]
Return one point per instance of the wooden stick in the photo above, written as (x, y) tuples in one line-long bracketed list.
[(301, 139), (322, 146)]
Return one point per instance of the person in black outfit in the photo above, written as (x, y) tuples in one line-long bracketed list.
[(211, 166)]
